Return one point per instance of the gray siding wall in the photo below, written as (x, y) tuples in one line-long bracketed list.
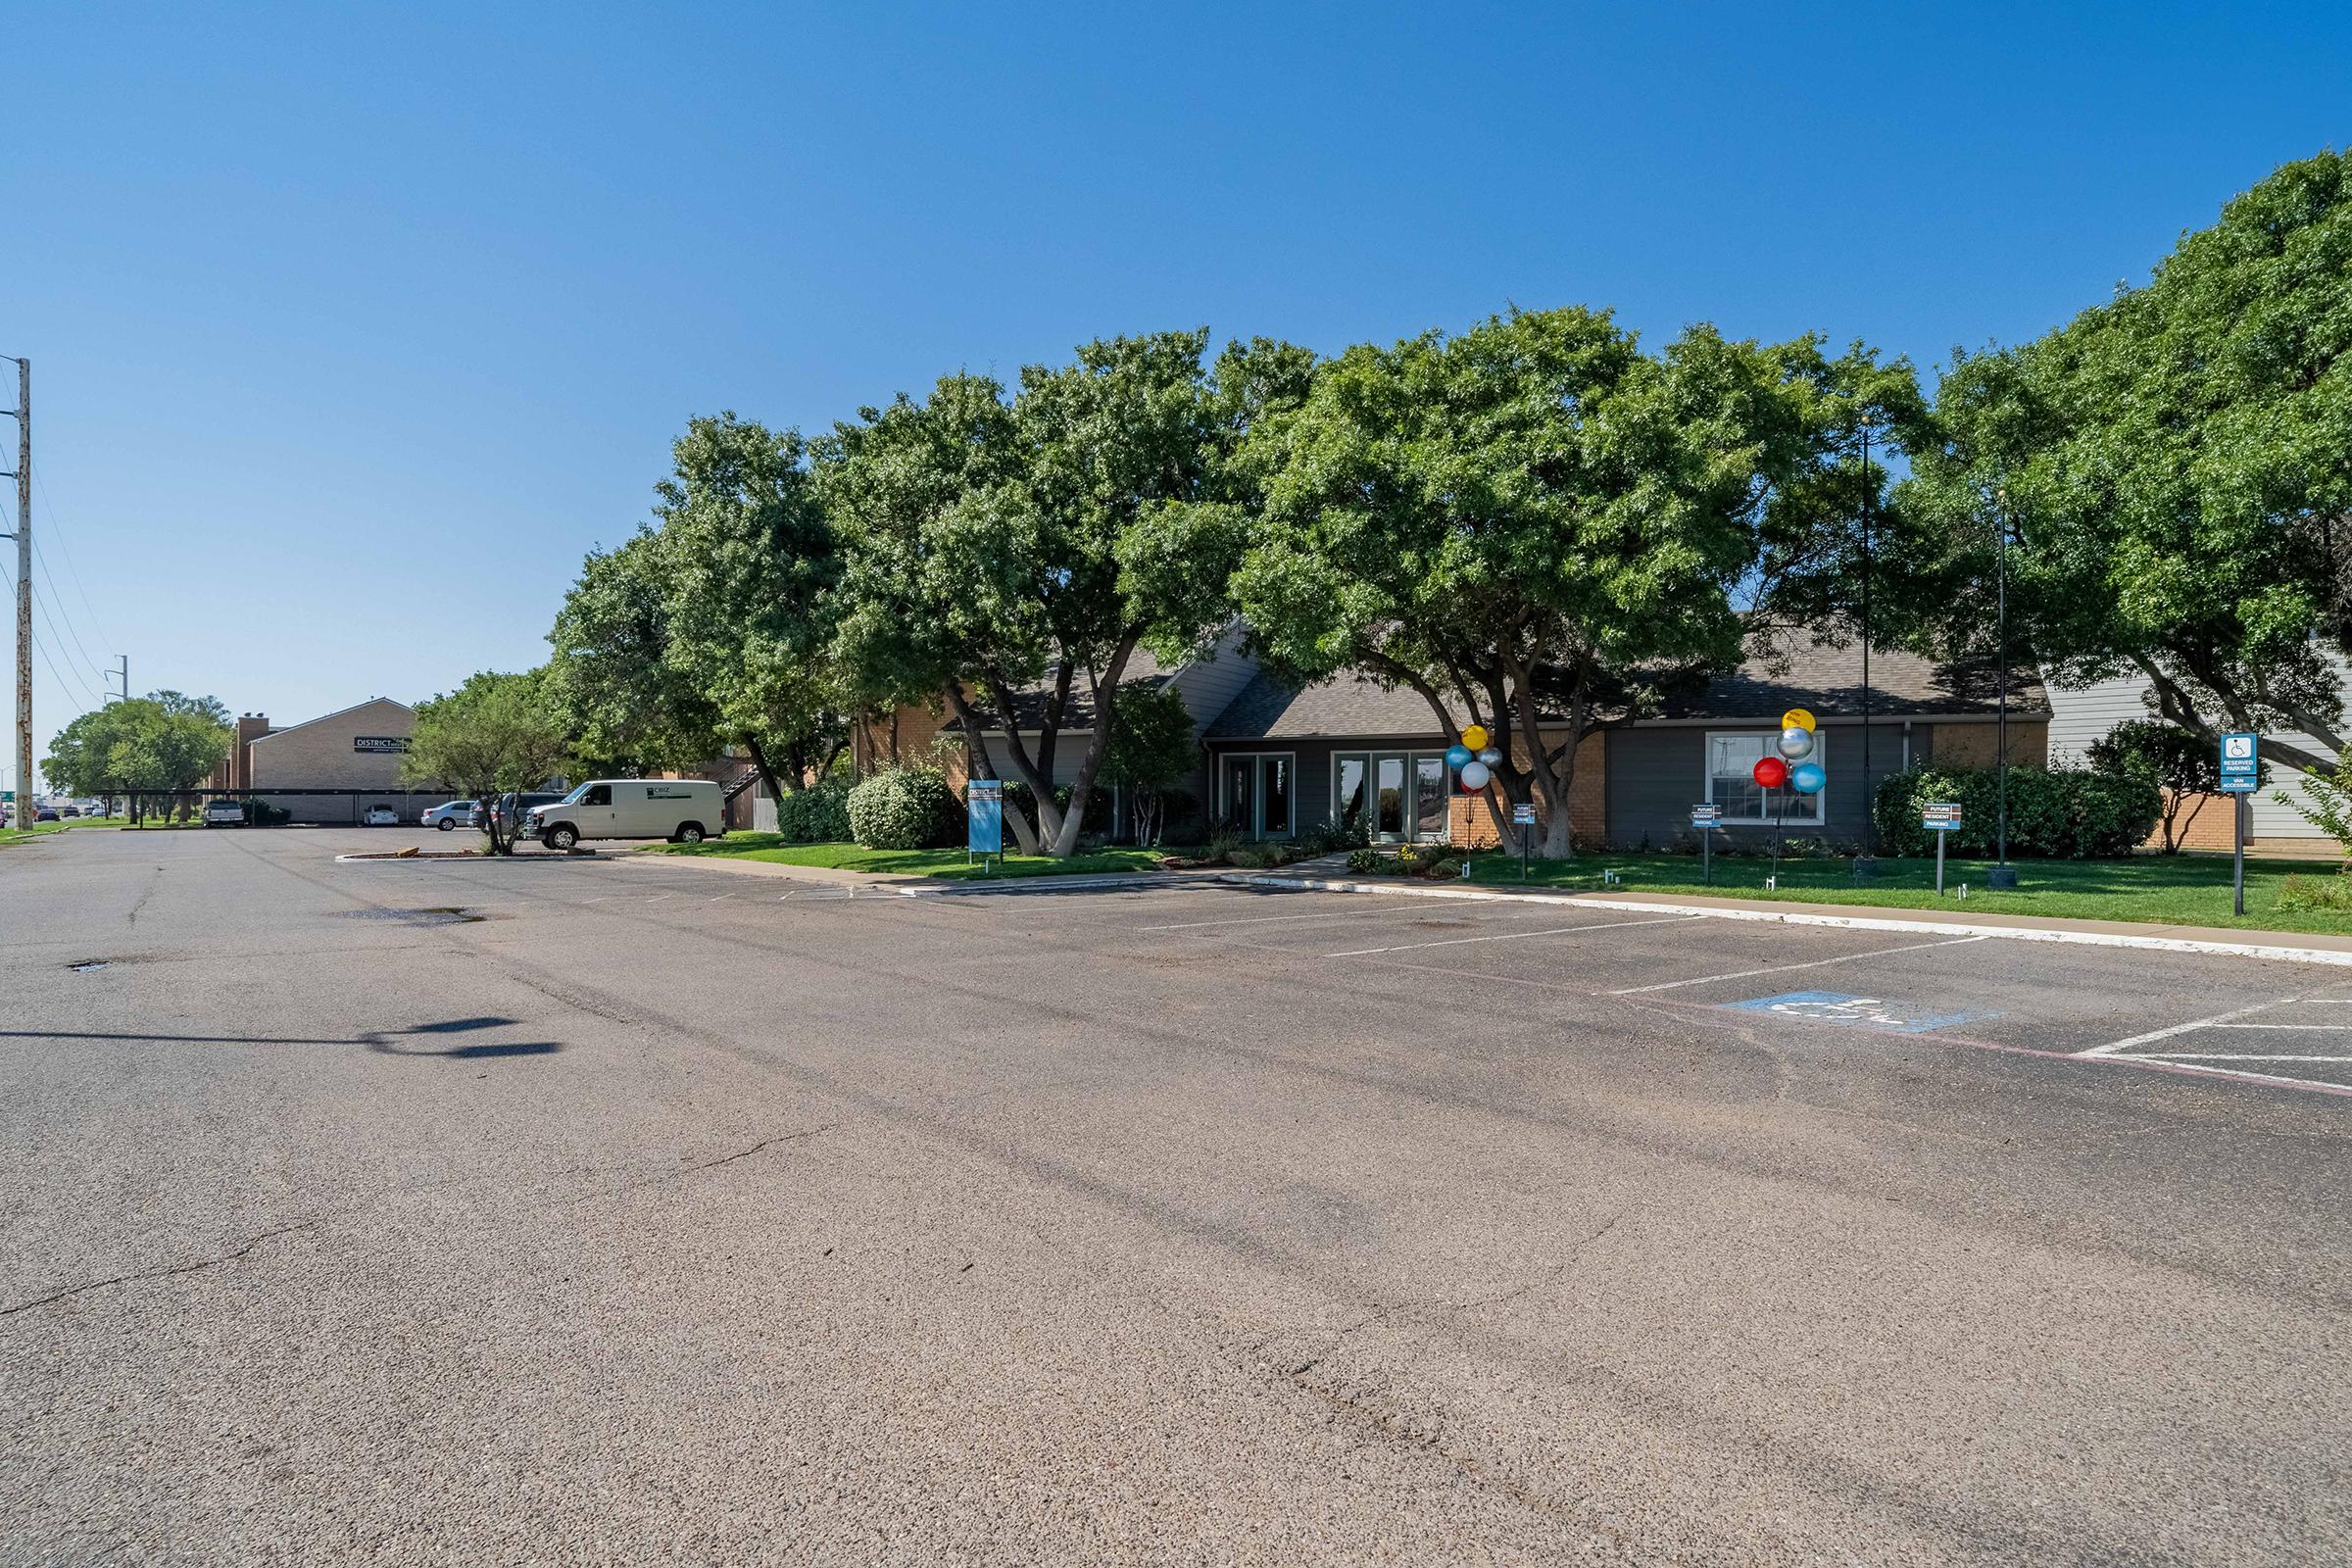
[(1209, 685), (2082, 716), (1657, 773)]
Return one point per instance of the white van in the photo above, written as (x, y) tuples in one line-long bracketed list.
[(686, 811)]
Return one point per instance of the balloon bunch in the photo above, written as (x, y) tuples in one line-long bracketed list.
[(1473, 759), (1798, 740)]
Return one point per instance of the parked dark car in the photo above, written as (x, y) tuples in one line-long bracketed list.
[(512, 807)]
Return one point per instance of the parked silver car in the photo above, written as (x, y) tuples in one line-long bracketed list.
[(450, 815)]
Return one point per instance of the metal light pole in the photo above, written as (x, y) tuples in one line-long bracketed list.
[(2001, 875), (1866, 868)]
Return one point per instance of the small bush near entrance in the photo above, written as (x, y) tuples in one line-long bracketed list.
[(2054, 813), (902, 808), (817, 814)]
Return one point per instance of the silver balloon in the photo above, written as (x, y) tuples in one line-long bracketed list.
[(1796, 743), (1490, 757), (1475, 775)]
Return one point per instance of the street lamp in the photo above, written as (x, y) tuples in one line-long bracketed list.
[(1866, 867), (2003, 875)]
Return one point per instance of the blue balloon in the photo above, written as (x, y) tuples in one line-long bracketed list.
[(1807, 778), (1456, 754)]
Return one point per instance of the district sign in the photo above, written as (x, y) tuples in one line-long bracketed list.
[(984, 803)]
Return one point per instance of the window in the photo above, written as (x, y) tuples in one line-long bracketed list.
[(1349, 801), (1732, 785), (1253, 793)]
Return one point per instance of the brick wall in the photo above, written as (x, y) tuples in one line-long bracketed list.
[(1470, 822), (320, 755), (904, 736)]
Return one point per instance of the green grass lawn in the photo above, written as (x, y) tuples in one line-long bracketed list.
[(948, 863), (2169, 890)]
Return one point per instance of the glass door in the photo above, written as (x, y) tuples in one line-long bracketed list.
[(1237, 809), (1351, 794), (1431, 814), (1391, 804)]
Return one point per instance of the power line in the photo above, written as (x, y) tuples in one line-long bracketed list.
[(42, 648), (57, 612), (67, 550)]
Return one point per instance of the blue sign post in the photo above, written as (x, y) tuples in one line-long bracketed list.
[(2242, 771), (984, 803), (1705, 818)]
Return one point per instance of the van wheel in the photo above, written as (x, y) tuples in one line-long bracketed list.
[(690, 833), (562, 836)]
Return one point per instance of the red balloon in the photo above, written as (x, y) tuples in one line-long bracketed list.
[(1772, 773)]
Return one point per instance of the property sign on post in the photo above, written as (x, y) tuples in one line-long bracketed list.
[(984, 802), (1939, 817), (1703, 816), (2239, 768), (1523, 817)]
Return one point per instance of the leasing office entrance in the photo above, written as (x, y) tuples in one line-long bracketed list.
[(1397, 797)]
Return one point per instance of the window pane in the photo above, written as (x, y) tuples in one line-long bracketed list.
[(1388, 781), (1274, 795), (1429, 797), (1347, 793), (1236, 803)]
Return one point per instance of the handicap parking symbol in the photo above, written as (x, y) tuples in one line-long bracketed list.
[(1865, 1013)]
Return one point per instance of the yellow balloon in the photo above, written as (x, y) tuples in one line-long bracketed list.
[(1475, 736), (1797, 719)]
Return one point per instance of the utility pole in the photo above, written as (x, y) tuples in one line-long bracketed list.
[(124, 675), (1866, 868), (24, 537)]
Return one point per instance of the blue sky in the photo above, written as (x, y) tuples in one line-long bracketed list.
[(354, 328)]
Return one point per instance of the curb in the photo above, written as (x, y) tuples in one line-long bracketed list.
[(1852, 923)]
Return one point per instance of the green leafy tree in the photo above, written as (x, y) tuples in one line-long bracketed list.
[(2175, 468), (2185, 768), (493, 734), (612, 682), (165, 742), (714, 627), (1153, 748), (1001, 551), (1536, 526)]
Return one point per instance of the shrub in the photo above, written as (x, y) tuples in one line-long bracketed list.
[(1368, 862), (2185, 767), (902, 808), (2054, 813), (2333, 894), (1258, 857), (817, 814)]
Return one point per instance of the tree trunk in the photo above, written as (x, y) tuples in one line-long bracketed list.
[(1098, 747), (767, 775), (1039, 782), (975, 742)]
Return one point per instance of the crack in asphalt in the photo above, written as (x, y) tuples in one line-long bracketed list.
[(198, 1266)]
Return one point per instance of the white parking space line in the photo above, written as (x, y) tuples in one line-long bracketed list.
[(2114, 1046), (1784, 969), (2337, 1026), (1517, 936), (1369, 912), (2223, 1056)]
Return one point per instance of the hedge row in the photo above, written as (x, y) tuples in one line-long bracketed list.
[(2054, 813)]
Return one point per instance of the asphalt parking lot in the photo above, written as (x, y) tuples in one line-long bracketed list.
[(588, 1210)]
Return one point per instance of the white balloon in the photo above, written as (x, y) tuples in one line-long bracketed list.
[(1475, 775), (1490, 757)]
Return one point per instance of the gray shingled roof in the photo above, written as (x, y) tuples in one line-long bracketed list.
[(1826, 680), (1029, 701)]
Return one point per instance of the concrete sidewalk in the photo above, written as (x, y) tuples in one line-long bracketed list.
[(2295, 946)]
